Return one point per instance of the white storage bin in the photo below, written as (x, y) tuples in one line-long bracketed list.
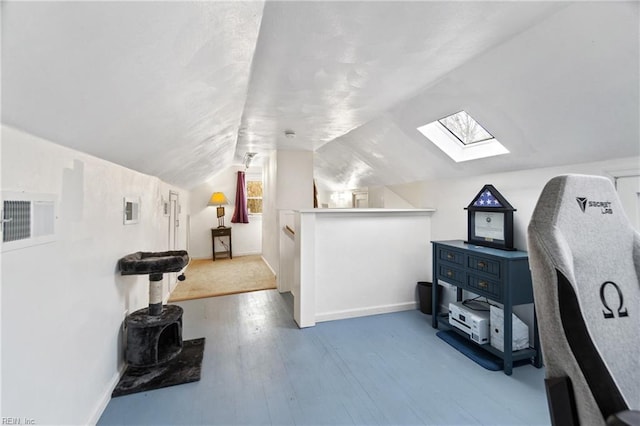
[(520, 330)]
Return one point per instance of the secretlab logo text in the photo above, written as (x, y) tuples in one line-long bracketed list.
[(604, 206)]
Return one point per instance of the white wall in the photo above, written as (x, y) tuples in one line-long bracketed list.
[(270, 215), (520, 188), (378, 197), (385, 197), (294, 180), (340, 199), (288, 185), (286, 265), (247, 237), (63, 303), (356, 262), (324, 197)]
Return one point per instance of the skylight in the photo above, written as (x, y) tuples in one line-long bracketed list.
[(465, 128), (462, 138)]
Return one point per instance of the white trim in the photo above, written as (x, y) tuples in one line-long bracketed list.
[(267, 263), (304, 281), (365, 211), (624, 173), (618, 174), (106, 397), (362, 312), (246, 253)]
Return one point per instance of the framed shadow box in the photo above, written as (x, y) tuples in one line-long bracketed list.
[(490, 220)]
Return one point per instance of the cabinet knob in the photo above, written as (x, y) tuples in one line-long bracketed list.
[(483, 284), (449, 273), (481, 264), (449, 256)]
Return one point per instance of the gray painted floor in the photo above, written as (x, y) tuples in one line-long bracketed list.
[(260, 369)]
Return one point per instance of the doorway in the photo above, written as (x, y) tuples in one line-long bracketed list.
[(360, 199), (174, 220), (174, 223), (628, 188)]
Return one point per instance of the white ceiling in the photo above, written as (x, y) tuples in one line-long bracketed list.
[(182, 90)]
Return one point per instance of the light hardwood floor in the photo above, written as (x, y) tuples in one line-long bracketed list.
[(260, 369)]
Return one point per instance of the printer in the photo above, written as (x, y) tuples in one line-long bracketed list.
[(474, 323)]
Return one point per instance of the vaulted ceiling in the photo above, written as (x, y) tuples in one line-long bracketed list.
[(182, 90)]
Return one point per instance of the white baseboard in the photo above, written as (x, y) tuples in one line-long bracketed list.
[(106, 397), (246, 253), (268, 266), (235, 254), (363, 312)]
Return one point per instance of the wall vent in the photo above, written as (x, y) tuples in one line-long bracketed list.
[(16, 220), (27, 220)]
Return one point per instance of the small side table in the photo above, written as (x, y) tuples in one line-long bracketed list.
[(221, 232)]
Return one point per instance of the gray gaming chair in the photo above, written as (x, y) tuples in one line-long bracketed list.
[(585, 265)]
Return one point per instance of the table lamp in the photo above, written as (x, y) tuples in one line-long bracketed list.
[(218, 199)]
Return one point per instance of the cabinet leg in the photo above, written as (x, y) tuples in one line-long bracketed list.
[(507, 327), (537, 359), (435, 304), (508, 368)]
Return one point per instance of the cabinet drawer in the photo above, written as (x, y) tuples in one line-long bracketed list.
[(449, 274), (484, 286), (485, 265), (220, 232), (450, 256)]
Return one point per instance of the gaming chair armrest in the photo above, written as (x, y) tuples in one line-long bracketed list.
[(562, 405), (624, 418)]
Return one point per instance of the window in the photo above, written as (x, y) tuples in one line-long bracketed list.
[(465, 128), (462, 138), (254, 193)]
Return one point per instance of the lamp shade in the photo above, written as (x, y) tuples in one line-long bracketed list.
[(218, 199)]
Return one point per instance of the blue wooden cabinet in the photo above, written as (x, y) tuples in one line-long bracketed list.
[(499, 275)]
